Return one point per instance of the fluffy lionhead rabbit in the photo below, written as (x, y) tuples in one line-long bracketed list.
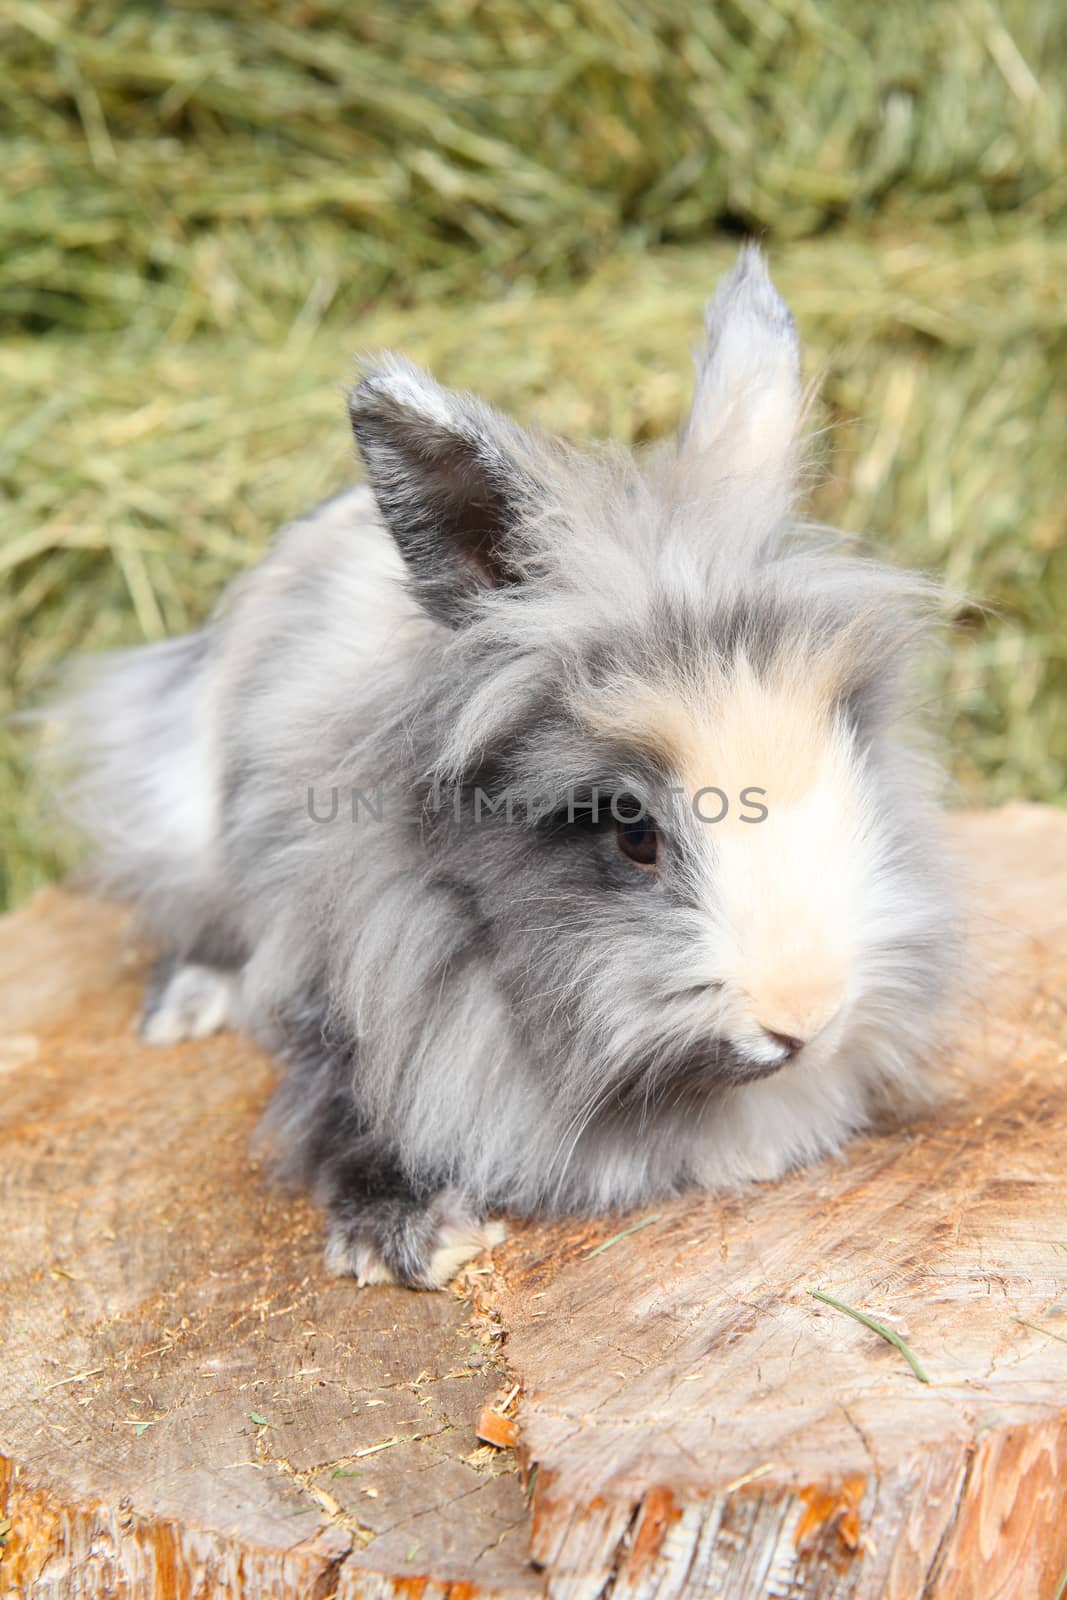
[(548, 812)]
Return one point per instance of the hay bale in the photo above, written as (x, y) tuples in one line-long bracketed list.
[(155, 149)]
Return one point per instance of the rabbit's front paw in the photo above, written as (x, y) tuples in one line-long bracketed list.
[(411, 1242)]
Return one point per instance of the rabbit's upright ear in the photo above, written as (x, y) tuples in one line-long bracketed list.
[(746, 402), (453, 481)]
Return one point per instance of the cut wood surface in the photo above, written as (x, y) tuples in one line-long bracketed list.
[(190, 1407)]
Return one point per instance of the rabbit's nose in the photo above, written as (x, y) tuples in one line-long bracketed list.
[(786, 1041), (791, 1017)]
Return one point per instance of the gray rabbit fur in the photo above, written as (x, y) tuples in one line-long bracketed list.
[(431, 807)]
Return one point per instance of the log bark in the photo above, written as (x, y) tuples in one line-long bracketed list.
[(190, 1407)]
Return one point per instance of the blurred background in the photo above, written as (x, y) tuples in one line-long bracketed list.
[(205, 209)]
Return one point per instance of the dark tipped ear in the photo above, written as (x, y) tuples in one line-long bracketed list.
[(448, 477)]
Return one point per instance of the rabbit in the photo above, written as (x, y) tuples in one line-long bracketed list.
[(556, 816)]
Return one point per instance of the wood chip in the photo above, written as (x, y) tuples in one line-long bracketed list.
[(497, 1430)]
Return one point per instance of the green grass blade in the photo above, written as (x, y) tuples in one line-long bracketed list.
[(876, 1327)]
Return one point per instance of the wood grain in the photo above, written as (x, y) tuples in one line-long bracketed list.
[(189, 1407)]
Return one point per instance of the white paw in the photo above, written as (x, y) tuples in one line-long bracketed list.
[(193, 1002), (454, 1244), (360, 1261)]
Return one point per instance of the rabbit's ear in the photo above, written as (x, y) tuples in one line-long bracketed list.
[(452, 481), (746, 402)]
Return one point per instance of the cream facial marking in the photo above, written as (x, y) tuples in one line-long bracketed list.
[(778, 897), (724, 730)]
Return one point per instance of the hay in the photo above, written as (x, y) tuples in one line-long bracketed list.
[(204, 215), (212, 163)]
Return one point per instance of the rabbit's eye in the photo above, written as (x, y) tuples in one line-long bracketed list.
[(636, 833)]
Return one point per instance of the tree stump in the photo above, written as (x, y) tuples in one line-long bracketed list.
[(191, 1408)]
